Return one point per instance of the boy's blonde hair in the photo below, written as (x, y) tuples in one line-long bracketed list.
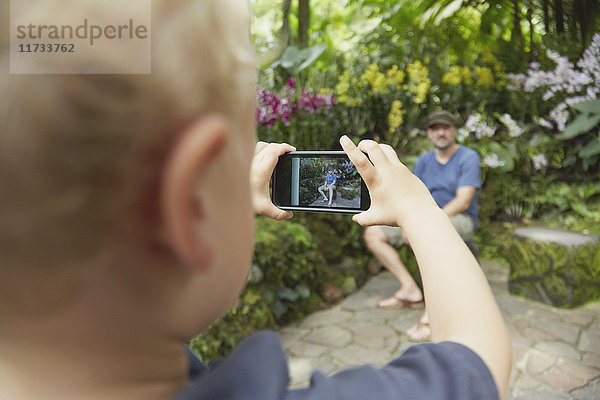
[(80, 155)]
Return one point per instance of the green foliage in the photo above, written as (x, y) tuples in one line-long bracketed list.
[(548, 273), (585, 124)]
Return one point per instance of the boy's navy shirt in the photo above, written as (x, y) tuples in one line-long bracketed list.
[(257, 369), (442, 180)]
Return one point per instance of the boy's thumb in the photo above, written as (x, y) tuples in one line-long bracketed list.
[(362, 219)]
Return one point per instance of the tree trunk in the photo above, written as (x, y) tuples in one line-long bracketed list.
[(531, 35), (276, 52), (517, 25), (303, 22), (559, 17), (546, 16)]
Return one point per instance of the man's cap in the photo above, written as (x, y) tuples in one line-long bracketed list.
[(441, 117)]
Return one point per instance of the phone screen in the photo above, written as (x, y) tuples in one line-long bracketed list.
[(319, 181)]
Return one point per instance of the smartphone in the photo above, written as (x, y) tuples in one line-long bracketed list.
[(319, 181)]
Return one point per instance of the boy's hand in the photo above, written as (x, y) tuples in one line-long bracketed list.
[(395, 192), (263, 164)]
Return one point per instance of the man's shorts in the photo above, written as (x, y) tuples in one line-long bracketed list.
[(324, 187), (463, 224)]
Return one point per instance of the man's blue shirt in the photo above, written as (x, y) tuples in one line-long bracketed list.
[(442, 180), (330, 178)]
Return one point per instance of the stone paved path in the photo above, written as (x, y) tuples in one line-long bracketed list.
[(556, 353)]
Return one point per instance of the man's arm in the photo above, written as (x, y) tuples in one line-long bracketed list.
[(462, 201), (460, 303)]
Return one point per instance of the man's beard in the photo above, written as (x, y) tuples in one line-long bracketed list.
[(444, 147)]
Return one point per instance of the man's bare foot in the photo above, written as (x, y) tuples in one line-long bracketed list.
[(403, 298), (324, 200), (394, 302), (421, 331)]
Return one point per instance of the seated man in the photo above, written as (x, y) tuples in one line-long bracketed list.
[(330, 182), (127, 219), (452, 173)]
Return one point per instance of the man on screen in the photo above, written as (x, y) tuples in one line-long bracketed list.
[(330, 181)]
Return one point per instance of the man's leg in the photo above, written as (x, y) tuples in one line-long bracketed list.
[(321, 188), (377, 241), (464, 225), (331, 194)]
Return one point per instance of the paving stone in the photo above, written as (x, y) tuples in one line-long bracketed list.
[(594, 327), (517, 339), (327, 317), (559, 349), (331, 336), (537, 363), (542, 313), (587, 392), (371, 336), (290, 336), (354, 355), (594, 307), (522, 323), (578, 316), (300, 369), (304, 349), (512, 305), (519, 354), (377, 316), (561, 330), (359, 301), (525, 382), (357, 332), (590, 341), (561, 380), (537, 335), (591, 359), (537, 394), (384, 285), (577, 369), (406, 320)]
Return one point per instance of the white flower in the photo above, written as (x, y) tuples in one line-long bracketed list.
[(539, 161), (560, 115), (543, 122), (462, 134), (514, 130), (477, 125), (493, 161)]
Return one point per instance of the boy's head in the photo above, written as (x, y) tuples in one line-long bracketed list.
[(127, 188)]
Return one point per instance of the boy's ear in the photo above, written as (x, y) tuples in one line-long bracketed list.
[(190, 157)]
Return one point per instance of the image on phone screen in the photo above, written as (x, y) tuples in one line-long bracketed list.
[(319, 181)]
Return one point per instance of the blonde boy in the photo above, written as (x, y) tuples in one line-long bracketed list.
[(126, 223)]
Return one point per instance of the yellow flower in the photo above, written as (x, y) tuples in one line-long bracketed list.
[(419, 81), (395, 117), (467, 75), (453, 76), (343, 84), (395, 77), (485, 77), (372, 77)]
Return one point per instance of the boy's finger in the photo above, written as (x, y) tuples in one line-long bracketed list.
[(376, 154), (359, 159), (260, 146), (390, 153)]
